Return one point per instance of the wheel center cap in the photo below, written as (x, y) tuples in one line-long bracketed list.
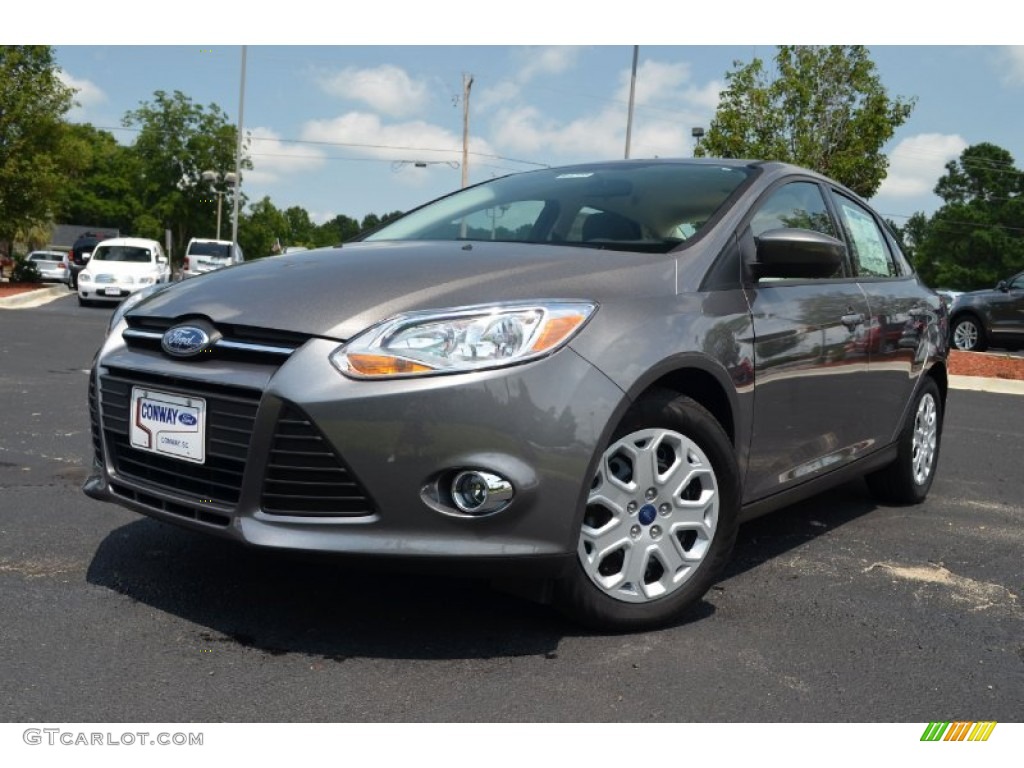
[(647, 514)]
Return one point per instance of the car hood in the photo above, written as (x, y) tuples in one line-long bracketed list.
[(339, 292)]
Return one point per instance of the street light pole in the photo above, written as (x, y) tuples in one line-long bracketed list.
[(632, 96), (238, 150), (217, 180)]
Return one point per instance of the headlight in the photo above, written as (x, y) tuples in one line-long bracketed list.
[(147, 280), (134, 300), (464, 339), (84, 277)]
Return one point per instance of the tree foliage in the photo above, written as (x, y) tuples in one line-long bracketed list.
[(33, 102), (822, 107), (100, 182), (177, 141), (977, 237)]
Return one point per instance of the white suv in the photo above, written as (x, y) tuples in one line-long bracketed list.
[(204, 256), (121, 266)]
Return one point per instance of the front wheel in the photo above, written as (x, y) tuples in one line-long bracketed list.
[(968, 335), (660, 520), (908, 479)]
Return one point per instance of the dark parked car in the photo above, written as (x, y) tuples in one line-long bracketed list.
[(80, 252), (989, 318), (584, 377)]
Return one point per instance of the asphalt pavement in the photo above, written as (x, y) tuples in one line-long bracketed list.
[(836, 609)]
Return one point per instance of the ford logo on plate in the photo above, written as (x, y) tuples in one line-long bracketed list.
[(187, 419), (185, 341)]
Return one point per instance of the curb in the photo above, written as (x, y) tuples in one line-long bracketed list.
[(37, 297), (981, 384)]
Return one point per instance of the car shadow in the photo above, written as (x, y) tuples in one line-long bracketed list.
[(775, 534), (280, 602)]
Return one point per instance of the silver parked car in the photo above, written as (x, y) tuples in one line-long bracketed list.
[(587, 377), (52, 265)]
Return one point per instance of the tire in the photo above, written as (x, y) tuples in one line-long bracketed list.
[(908, 479), (83, 303), (969, 335), (661, 518)]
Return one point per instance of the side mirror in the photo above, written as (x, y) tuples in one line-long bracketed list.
[(161, 259), (86, 256), (1002, 286), (796, 253)]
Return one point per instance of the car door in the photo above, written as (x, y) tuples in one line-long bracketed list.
[(810, 356), (1008, 313), (901, 312)]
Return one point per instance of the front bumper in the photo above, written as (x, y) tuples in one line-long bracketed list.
[(539, 425)]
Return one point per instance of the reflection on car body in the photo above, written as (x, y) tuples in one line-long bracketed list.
[(585, 377)]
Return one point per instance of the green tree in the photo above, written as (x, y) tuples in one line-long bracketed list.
[(822, 107), (100, 181), (260, 228), (300, 227), (33, 102), (336, 231), (177, 141), (977, 237)]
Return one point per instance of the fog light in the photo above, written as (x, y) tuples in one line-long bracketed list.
[(479, 493)]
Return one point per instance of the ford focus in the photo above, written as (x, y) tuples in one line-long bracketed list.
[(583, 378)]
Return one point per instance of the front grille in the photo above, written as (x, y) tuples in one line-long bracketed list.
[(230, 416), (239, 343), (171, 508), (305, 477)]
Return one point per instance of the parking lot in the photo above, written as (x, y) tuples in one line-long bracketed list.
[(833, 610)]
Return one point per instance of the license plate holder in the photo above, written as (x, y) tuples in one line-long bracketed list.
[(168, 424)]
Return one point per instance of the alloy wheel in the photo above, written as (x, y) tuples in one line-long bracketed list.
[(651, 515)]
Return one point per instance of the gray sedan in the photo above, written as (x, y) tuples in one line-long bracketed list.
[(52, 265), (585, 378)]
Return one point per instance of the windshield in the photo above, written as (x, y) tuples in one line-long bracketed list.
[(220, 250), (129, 253), (634, 206)]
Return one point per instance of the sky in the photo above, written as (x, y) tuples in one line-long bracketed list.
[(355, 128)]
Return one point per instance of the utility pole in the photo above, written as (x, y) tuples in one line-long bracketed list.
[(467, 84), (632, 95), (238, 156)]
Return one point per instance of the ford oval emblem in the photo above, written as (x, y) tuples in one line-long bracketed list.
[(187, 419), (185, 341)]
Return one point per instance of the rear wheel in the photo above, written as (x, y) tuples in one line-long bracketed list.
[(660, 521), (968, 335), (908, 479)]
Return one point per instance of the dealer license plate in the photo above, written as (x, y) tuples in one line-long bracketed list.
[(111, 291), (168, 424)]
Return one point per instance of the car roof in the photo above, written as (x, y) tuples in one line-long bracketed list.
[(140, 242)]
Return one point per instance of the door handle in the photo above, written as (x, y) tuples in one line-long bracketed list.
[(853, 320)]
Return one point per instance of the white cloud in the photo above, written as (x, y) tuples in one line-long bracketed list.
[(917, 162), (668, 104), (272, 158), (387, 88), (537, 61), (1013, 61), (547, 60), (416, 141), (87, 93)]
